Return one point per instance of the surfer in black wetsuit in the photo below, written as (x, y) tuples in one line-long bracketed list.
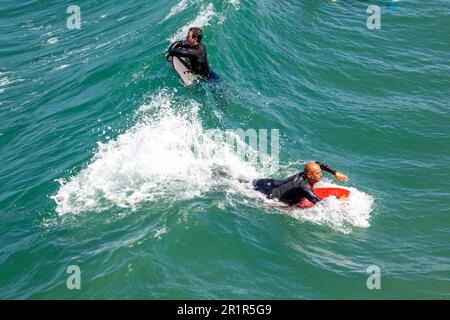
[(294, 188), (194, 51)]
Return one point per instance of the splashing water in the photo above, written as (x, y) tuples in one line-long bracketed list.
[(157, 158), (167, 154), (179, 7), (203, 19), (184, 4)]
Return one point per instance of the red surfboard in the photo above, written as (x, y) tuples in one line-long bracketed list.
[(342, 194)]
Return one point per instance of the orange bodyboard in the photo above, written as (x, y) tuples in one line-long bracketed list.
[(342, 194)]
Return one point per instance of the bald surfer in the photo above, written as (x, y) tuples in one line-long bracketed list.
[(300, 186), (194, 51)]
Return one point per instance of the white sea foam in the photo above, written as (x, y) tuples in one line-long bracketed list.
[(156, 159), (160, 232), (184, 4), (203, 19), (235, 3), (6, 79), (54, 40), (62, 67), (179, 7)]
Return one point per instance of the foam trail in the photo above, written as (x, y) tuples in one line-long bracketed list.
[(179, 7), (203, 19), (6, 79), (184, 4), (155, 159), (235, 3)]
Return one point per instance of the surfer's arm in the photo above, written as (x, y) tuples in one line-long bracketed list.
[(185, 53), (302, 192), (311, 196), (172, 46), (338, 175)]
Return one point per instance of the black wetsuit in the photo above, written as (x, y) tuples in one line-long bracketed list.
[(198, 59), (290, 190)]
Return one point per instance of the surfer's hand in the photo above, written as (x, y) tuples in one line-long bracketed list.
[(167, 56), (341, 176)]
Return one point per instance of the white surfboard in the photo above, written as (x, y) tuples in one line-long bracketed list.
[(181, 67)]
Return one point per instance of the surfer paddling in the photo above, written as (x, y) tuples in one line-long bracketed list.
[(194, 51), (299, 187)]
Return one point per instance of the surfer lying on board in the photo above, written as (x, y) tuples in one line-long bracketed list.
[(300, 186), (193, 49)]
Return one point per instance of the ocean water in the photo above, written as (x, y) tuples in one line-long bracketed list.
[(110, 164)]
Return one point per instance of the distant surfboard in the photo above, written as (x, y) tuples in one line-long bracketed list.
[(181, 67)]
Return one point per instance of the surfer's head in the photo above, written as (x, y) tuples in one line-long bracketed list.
[(194, 36), (313, 172)]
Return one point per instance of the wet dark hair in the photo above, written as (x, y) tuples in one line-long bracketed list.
[(197, 33)]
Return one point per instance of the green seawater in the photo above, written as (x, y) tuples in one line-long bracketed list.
[(98, 141)]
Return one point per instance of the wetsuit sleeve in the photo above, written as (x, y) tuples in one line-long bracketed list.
[(311, 196), (186, 53), (326, 168), (175, 44)]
